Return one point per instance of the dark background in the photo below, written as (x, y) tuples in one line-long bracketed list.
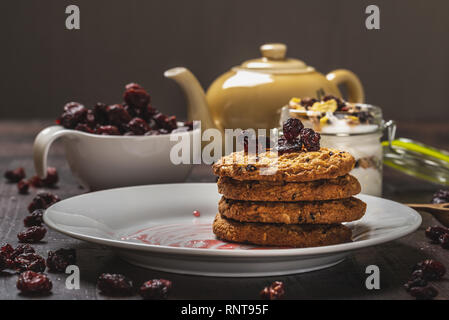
[(404, 66)]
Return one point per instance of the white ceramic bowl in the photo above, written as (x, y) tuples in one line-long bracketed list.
[(103, 161)]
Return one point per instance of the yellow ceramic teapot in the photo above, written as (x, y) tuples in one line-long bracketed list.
[(251, 95)]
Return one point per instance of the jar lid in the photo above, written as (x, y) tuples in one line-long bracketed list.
[(418, 160), (274, 60)]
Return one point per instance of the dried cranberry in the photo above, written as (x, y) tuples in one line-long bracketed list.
[(52, 177), (431, 269), (155, 289), (36, 182), (73, 114), (117, 115), (29, 261), (22, 249), (291, 128), (91, 121), (273, 292), (434, 233), (59, 260), (30, 282), (32, 234), (6, 251), (115, 285), (441, 196), (108, 130), (138, 126), (285, 146), (100, 113), (416, 280), (42, 201), (34, 219), (310, 139), (15, 175), (136, 96), (23, 186), (84, 127), (444, 240), (308, 102), (164, 122), (151, 111), (423, 293)]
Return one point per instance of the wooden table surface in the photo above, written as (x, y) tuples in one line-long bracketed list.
[(343, 281)]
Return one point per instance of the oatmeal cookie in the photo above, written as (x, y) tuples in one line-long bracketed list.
[(307, 212), (296, 166), (253, 190), (299, 236)]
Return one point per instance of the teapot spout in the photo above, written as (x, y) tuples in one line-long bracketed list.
[(197, 107)]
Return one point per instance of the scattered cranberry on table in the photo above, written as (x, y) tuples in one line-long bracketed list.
[(444, 241), (438, 235), (155, 289), (36, 182), (42, 201), (23, 186), (274, 291), (32, 234), (431, 269), (15, 175), (29, 261), (30, 282), (196, 213), (115, 285), (423, 272), (50, 180), (434, 233), (441, 196), (52, 177), (60, 259), (34, 219)]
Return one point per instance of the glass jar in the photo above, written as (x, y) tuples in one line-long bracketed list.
[(343, 131)]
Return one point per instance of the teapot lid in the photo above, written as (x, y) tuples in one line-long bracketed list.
[(274, 61)]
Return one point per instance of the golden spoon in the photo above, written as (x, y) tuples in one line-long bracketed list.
[(439, 210)]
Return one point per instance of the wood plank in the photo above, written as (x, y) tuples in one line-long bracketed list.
[(344, 281)]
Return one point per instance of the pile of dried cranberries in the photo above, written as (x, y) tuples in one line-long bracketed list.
[(297, 138), (135, 116)]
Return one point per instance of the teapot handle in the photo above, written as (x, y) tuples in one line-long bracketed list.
[(351, 81)]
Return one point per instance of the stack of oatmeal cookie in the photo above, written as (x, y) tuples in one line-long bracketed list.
[(301, 203)]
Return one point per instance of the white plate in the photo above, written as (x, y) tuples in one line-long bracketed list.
[(153, 226)]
